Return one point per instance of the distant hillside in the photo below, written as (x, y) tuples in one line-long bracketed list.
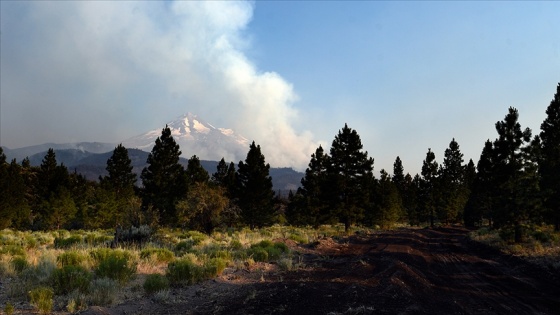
[(92, 165)]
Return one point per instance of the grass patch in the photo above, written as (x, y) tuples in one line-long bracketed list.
[(42, 299), (155, 283)]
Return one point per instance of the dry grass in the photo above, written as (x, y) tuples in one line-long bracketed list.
[(541, 247)]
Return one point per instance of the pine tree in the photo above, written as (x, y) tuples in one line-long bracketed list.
[(453, 189), (195, 172), (53, 182), (312, 208), (14, 208), (398, 174), (121, 178), (164, 178), (513, 179), (350, 177), (470, 177), (389, 206), (428, 190), (221, 172), (255, 192), (549, 164)]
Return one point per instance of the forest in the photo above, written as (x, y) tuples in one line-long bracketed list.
[(514, 187)]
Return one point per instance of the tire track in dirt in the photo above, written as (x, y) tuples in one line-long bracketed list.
[(406, 271)]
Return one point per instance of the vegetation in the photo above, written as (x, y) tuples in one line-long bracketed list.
[(187, 227)]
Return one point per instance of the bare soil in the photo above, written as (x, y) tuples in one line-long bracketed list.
[(406, 271)]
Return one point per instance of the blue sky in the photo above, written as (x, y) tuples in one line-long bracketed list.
[(407, 76)]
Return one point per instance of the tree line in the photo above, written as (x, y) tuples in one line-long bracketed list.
[(515, 184)]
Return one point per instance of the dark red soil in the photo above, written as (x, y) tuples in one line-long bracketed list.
[(407, 271)]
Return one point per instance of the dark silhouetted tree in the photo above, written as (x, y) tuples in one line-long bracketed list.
[(549, 162), (515, 177), (121, 178), (164, 178), (428, 188), (454, 193), (309, 205), (255, 194), (350, 177), (195, 172)]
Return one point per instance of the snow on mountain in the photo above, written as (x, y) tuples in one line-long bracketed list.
[(197, 137)]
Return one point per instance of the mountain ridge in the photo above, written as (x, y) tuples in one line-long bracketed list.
[(92, 165)]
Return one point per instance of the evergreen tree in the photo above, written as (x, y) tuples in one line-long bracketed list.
[(14, 208), (515, 181), (428, 188), (411, 197), (549, 164), (350, 177), (389, 207), (221, 173), (53, 182), (195, 172), (163, 179), (398, 174), (312, 208), (255, 194), (452, 185), (470, 176), (121, 178)]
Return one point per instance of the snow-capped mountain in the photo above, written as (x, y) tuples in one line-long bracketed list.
[(196, 137)]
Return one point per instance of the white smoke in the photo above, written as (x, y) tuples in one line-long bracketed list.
[(121, 68)]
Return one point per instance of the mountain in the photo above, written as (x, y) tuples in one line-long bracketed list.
[(93, 147), (197, 137), (93, 165), (194, 136)]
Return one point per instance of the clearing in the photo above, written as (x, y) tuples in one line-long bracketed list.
[(406, 271)]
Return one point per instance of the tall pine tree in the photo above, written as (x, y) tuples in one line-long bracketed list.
[(121, 178), (255, 194), (350, 177), (309, 205), (453, 189), (515, 178), (429, 187), (549, 164), (164, 178)]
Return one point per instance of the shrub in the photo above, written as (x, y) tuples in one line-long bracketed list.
[(103, 291), (542, 236), (67, 242), (70, 258), (507, 234), (9, 308), (161, 255), (196, 237), (273, 250), (259, 254), (184, 271), (299, 239), (214, 267), (117, 265), (100, 254), (19, 263), (14, 250), (70, 278), (42, 299), (155, 283), (184, 246), (235, 245)]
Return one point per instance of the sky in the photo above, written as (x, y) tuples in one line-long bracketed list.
[(407, 76)]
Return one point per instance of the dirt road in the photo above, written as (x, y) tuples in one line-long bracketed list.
[(406, 271)]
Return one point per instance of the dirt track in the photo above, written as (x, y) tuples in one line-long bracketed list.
[(399, 272)]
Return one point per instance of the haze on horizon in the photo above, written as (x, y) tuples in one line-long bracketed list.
[(407, 76)]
